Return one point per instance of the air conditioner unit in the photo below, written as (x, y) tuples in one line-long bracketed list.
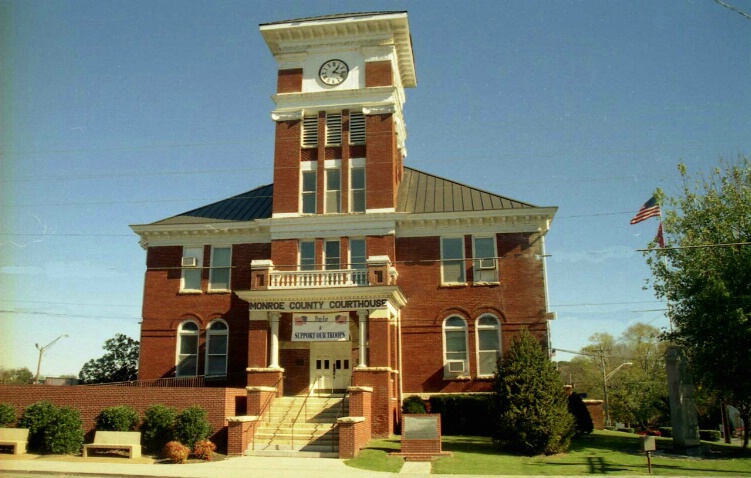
[(189, 262), (456, 366), (487, 264)]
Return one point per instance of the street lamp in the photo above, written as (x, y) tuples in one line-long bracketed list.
[(41, 352), (605, 379)]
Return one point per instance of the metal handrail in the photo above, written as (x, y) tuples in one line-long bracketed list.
[(341, 407), (313, 387), (262, 412)]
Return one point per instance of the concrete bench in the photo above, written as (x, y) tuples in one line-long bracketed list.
[(103, 440), (18, 438)]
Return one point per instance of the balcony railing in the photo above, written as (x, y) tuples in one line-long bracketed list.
[(318, 279)]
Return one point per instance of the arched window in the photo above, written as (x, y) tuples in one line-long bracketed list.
[(488, 344), (187, 349), (455, 357), (216, 348)]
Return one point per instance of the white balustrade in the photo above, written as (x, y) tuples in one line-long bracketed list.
[(318, 279)]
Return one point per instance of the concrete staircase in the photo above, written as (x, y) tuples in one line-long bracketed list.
[(298, 427)]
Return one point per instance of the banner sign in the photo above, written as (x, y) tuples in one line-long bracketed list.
[(320, 327)]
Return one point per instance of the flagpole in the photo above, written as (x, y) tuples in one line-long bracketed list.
[(665, 263)]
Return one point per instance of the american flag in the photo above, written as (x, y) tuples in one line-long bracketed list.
[(649, 209)]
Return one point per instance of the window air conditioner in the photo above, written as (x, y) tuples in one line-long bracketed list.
[(456, 366), (189, 262), (487, 264)]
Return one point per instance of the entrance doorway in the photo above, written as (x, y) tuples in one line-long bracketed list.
[(330, 363)]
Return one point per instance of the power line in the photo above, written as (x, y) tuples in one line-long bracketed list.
[(730, 7), (59, 314)]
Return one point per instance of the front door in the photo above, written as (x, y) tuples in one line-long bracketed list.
[(330, 365)]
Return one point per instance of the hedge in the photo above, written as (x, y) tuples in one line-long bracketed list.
[(469, 414)]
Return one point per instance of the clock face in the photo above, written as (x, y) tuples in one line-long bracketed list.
[(333, 72)]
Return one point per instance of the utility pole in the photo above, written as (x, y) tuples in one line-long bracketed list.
[(41, 352)]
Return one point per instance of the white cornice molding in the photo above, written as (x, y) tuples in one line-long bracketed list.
[(332, 225), (287, 115), (335, 99), (227, 232), (529, 220)]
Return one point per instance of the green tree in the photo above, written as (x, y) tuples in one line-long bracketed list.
[(704, 272), (16, 376), (532, 404), (119, 364)]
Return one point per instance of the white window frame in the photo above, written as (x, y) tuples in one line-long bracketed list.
[(357, 128), (211, 335), (480, 270), (333, 129), (446, 261), (487, 328), (447, 360), (357, 164), (197, 270), (326, 255), (309, 169), (308, 264), (182, 335), (215, 270), (309, 131), (335, 167)]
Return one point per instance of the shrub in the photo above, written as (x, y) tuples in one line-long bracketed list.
[(192, 425), (157, 428), (204, 450), (626, 430), (582, 418), (121, 418), (7, 415), (64, 434), (36, 417), (467, 414), (414, 405), (532, 404), (710, 435), (176, 452)]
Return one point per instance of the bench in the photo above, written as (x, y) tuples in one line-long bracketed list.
[(18, 438), (103, 440)]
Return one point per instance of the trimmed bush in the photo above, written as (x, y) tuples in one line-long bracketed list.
[(582, 417), (36, 417), (121, 418), (176, 452), (64, 434), (7, 415), (192, 425), (158, 426), (532, 404), (204, 450), (710, 435), (414, 405), (468, 414)]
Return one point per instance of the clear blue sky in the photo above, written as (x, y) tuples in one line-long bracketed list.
[(119, 113)]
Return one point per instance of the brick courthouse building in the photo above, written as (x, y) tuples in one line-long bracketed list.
[(351, 269)]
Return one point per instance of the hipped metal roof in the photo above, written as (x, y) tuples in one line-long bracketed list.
[(419, 192)]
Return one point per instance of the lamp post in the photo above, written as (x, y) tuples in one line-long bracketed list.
[(605, 379), (41, 352)]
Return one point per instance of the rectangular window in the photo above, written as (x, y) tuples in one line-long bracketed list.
[(221, 261), (333, 190), (485, 262), (192, 264), (452, 260), (333, 129), (307, 255), (356, 128), (310, 131), (357, 189), (333, 255), (488, 345), (308, 197), (357, 254)]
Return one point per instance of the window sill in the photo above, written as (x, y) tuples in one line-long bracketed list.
[(486, 284), (190, 292), (218, 291), (453, 285), (484, 377), (457, 378)]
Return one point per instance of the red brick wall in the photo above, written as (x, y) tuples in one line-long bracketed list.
[(287, 166), (219, 403), (354, 436), (383, 409), (289, 81), (518, 301), (378, 73), (165, 307), (380, 133)]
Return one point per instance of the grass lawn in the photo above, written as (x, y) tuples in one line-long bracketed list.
[(603, 452)]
